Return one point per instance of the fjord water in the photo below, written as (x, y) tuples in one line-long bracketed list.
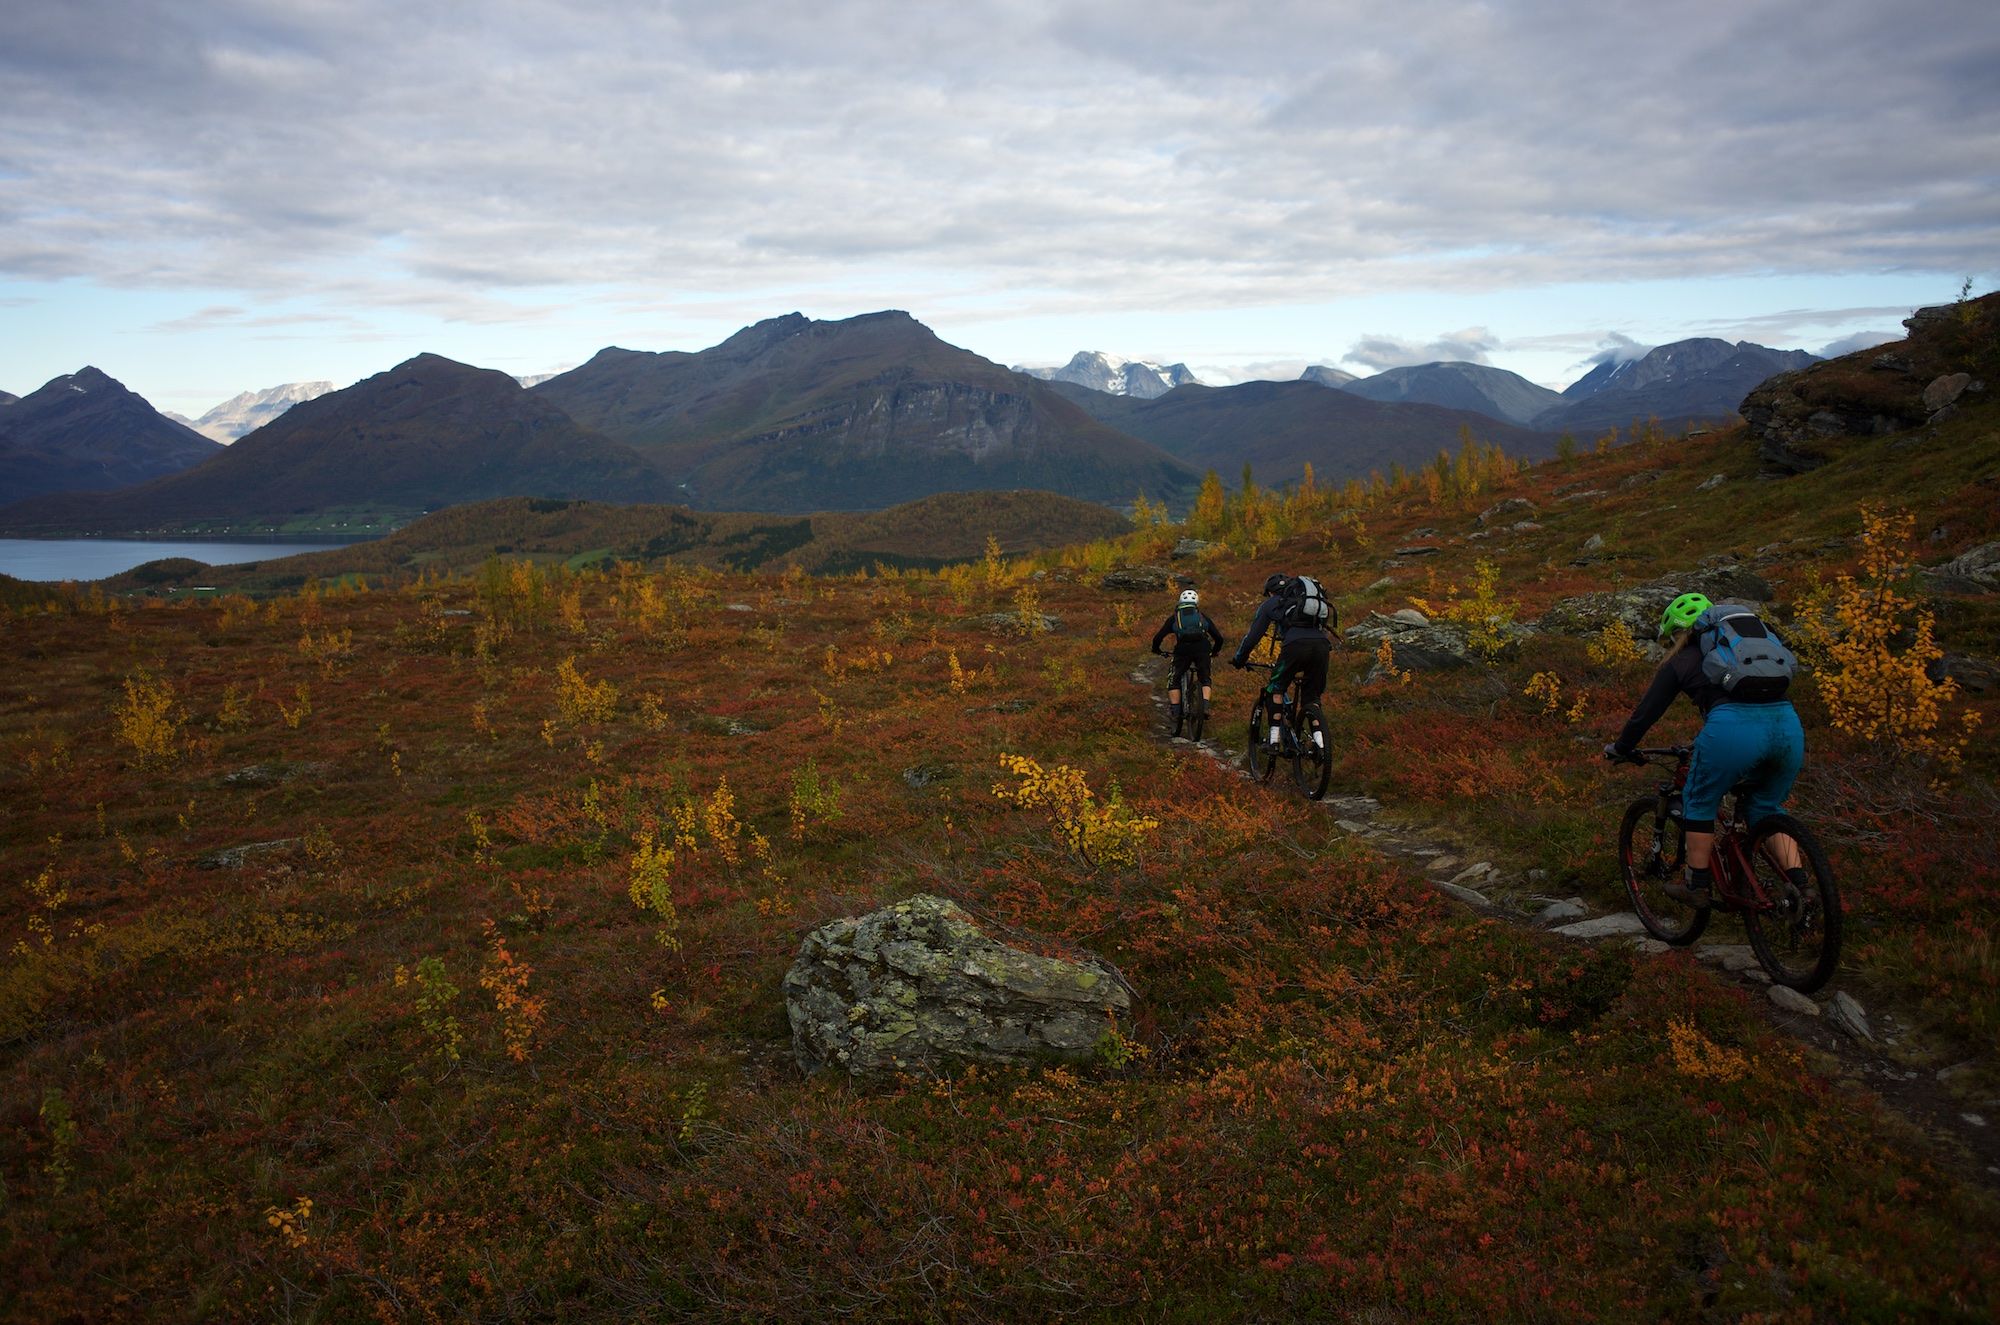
[(54, 559)]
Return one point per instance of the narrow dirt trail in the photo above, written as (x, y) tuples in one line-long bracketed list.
[(1866, 1050)]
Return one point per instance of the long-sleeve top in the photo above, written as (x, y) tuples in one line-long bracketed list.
[(1679, 675), (1208, 629), (1266, 619)]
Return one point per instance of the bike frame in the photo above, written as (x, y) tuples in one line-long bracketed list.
[(1736, 886)]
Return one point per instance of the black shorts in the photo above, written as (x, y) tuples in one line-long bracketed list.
[(1306, 660), (1194, 653)]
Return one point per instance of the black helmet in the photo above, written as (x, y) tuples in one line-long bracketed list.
[(1274, 583)]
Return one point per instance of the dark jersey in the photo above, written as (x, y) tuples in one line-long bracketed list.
[(1266, 620), (1679, 675), (1209, 633)]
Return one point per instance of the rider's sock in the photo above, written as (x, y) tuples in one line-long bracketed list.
[(1174, 710), (1702, 879), (1799, 878)]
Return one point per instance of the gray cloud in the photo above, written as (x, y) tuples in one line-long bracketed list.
[(1860, 340), (1105, 155), (1473, 345)]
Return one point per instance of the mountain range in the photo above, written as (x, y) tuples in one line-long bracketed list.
[(85, 432), (1278, 428), (251, 410), (797, 415), (789, 415), (1118, 377), (428, 433)]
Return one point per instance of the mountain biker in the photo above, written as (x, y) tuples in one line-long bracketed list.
[(1196, 639), (1757, 744), (1303, 648)]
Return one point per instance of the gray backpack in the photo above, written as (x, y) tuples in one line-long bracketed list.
[(1743, 656)]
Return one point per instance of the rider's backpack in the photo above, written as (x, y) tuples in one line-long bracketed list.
[(1742, 655), (1187, 622), (1305, 603)]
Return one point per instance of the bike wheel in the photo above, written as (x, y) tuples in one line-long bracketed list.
[(1313, 768), (1798, 938), (1197, 710), (1650, 854), (1261, 757)]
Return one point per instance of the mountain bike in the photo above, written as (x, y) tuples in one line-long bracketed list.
[(1194, 709), (1794, 931), (1311, 760)]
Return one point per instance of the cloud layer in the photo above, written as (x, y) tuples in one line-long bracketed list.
[(467, 161)]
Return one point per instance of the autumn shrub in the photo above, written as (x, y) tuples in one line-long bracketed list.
[(506, 978), (435, 994), (581, 700), (1479, 608), (1107, 833), (1875, 644), (149, 719)]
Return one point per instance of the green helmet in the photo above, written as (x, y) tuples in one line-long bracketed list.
[(1682, 613)]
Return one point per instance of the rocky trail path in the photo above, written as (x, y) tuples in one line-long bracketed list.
[(1871, 1051)]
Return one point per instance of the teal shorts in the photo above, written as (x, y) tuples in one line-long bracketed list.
[(1758, 747)]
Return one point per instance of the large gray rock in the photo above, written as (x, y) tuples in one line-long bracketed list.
[(1422, 645), (1135, 579), (918, 987), (1638, 608), (1976, 570)]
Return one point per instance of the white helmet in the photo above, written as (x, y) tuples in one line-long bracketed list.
[(1189, 598)]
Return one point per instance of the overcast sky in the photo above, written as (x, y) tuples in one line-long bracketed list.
[(207, 196)]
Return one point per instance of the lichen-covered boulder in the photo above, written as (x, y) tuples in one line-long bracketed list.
[(1638, 608), (1135, 579), (919, 987)]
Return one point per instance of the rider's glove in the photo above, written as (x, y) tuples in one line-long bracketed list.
[(1612, 752)]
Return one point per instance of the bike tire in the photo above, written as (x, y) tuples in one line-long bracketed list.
[(1258, 754), (1312, 767), (1799, 947), (1197, 709), (1651, 852)]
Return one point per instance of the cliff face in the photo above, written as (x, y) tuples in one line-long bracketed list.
[(1951, 353)]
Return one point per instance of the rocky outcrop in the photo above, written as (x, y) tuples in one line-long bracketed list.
[(1638, 608), (1134, 579), (1974, 571), (919, 987), (1798, 417), (1419, 644)]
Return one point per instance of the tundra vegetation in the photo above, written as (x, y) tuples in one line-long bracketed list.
[(411, 948)]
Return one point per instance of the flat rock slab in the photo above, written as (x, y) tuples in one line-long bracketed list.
[(1462, 894), (1603, 927), (1791, 1000)]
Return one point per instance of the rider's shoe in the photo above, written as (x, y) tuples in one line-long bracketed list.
[(1687, 894)]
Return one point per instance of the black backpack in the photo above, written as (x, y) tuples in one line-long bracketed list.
[(1187, 622), (1305, 604)]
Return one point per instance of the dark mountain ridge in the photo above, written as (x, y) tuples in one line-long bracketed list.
[(1458, 385), (793, 414), (86, 432), (1280, 427), (1688, 381), (430, 432)]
